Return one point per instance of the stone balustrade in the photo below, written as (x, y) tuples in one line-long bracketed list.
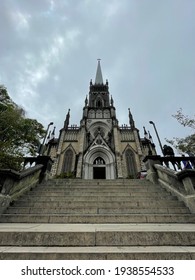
[(13, 184), (180, 183)]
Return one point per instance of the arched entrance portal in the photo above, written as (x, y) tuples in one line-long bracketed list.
[(99, 163)]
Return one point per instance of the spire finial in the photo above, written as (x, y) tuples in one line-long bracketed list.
[(86, 101), (150, 137), (66, 123), (145, 133), (99, 78), (53, 133), (48, 137), (131, 121), (111, 101)]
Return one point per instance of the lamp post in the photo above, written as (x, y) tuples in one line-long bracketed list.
[(41, 148), (151, 122)]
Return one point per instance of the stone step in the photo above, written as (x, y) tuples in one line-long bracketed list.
[(98, 218), (96, 190), (97, 235), (142, 203), (98, 186), (61, 186), (98, 253), (97, 195), (102, 198), (94, 183), (95, 210)]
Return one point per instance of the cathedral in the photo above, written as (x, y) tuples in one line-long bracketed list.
[(99, 148)]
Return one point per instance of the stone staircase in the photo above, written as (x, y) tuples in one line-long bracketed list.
[(97, 219)]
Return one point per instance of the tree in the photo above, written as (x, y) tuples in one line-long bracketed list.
[(19, 135), (186, 144)]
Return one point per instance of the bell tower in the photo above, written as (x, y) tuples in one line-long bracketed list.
[(98, 117)]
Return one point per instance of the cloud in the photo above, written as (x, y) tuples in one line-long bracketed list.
[(112, 8), (37, 66), (49, 49), (20, 20)]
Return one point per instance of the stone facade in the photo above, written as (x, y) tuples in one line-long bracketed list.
[(99, 147)]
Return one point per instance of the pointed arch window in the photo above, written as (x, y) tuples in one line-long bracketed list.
[(131, 166), (68, 159), (99, 103)]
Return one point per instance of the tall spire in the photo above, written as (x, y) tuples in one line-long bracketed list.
[(99, 78)]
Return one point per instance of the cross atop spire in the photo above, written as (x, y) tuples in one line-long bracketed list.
[(99, 78)]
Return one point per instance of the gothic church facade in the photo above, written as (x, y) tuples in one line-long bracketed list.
[(99, 148)]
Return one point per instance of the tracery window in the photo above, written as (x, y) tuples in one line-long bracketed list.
[(131, 167), (68, 158)]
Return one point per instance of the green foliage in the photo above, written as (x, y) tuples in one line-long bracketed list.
[(186, 144), (19, 136), (184, 120)]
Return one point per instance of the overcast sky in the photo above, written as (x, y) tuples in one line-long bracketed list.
[(49, 51)]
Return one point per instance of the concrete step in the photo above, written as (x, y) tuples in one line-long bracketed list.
[(98, 218), (98, 186), (112, 191), (98, 253), (95, 186), (106, 182), (142, 203), (98, 198), (42, 189), (97, 235), (95, 210), (98, 191)]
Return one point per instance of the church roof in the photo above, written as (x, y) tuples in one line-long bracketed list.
[(99, 78)]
